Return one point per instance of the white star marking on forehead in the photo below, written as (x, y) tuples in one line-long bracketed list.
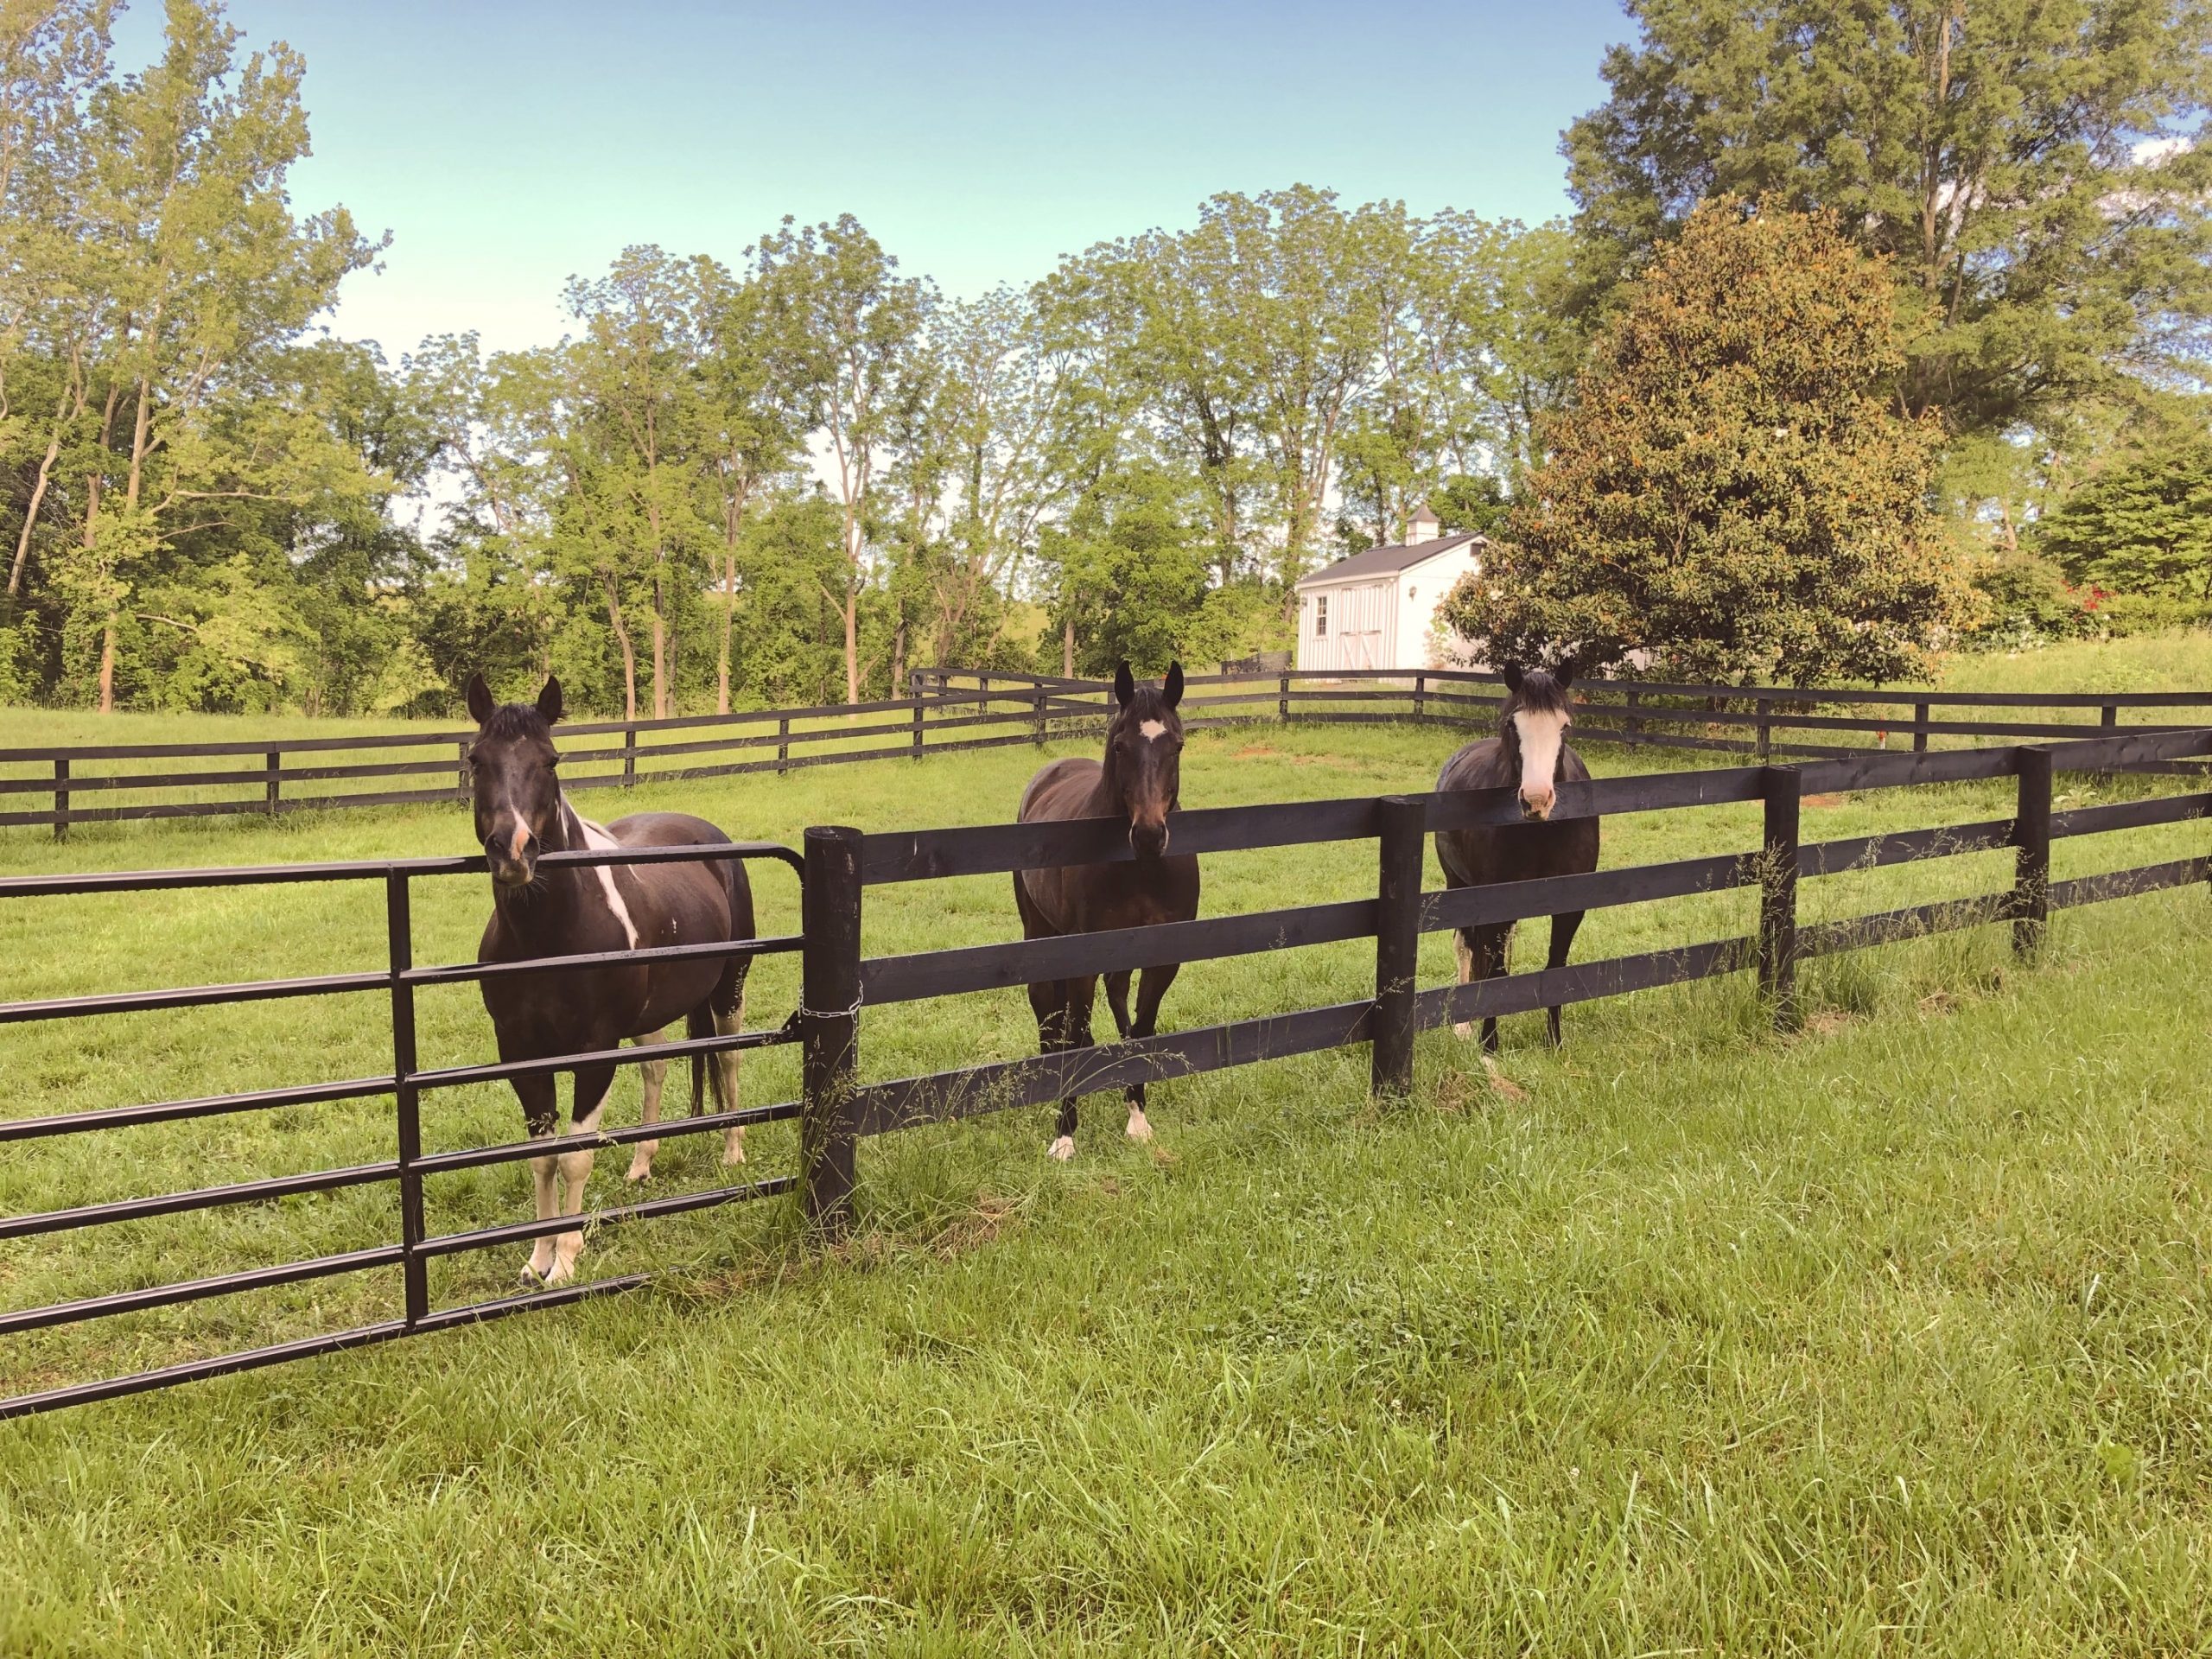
[(1153, 727)]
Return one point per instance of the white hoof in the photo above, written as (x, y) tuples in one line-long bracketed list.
[(1138, 1129), (529, 1278), (562, 1272), (641, 1169), (1062, 1148), (733, 1146)]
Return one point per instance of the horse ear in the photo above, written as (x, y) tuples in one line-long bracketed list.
[(481, 703), (1172, 692), (1513, 676), (549, 700), (1125, 684), (1563, 675)]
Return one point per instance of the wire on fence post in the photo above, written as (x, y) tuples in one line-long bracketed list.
[(2031, 904), (399, 932), (1920, 728), (1777, 950), (275, 768), (61, 797), (829, 1024), (1397, 943)]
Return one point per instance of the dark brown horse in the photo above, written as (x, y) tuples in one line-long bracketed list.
[(1136, 783), (1529, 755), (572, 910)]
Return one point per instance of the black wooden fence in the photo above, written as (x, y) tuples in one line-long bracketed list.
[(951, 709), (839, 865), (1758, 721)]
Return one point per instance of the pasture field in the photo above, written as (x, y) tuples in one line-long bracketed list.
[(1885, 1337)]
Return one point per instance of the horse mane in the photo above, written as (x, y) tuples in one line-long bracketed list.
[(1539, 691), (517, 721)]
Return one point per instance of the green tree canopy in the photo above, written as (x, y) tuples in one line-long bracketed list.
[(2143, 527), (2037, 171), (1731, 490)]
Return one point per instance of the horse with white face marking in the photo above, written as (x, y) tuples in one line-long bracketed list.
[(1529, 755), (1137, 783), (576, 909)]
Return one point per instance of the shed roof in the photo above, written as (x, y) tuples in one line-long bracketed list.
[(1387, 561)]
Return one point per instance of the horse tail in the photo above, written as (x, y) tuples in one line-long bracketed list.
[(700, 1022)]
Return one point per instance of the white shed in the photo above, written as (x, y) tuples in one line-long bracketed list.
[(1376, 611)]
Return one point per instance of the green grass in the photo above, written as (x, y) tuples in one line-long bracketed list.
[(1887, 1337)]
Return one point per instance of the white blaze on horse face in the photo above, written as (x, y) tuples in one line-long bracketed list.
[(1542, 732), (597, 840), (1152, 728)]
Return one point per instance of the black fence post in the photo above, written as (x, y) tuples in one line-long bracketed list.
[(2030, 903), (629, 757), (275, 767), (1920, 728), (829, 996), (1633, 721), (917, 731), (61, 797), (1402, 846), (2111, 716), (461, 791), (783, 743), (1766, 735), (1038, 717), (1421, 698), (399, 932), (1777, 949), (1282, 700)]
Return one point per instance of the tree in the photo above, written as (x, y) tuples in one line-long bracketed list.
[(2036, 171), (1729, 489), (208, 270), (855, 327), (1130, 568), (2143, 527)]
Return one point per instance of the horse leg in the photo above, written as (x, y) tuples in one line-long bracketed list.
[(1481, 951), (1075, 1025), (592, 1085), (1117, 999), (1151, 989), (1564, 927), (654, 1073), (540, 1113), (725, 1076)]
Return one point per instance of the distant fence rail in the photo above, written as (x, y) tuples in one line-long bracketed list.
[(949, 709), (836, 1111)]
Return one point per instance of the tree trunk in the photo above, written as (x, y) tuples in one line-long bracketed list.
[(1067, 646), (897, 656), (729, 621), (629, 652), (660, 649), (852, 605)]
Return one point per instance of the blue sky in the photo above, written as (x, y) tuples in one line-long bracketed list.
[(506, 145)]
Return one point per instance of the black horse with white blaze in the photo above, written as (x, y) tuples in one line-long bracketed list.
[(576, 909), (1529, 755), (1137, 783)]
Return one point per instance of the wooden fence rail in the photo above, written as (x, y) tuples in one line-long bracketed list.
[(952, 709)]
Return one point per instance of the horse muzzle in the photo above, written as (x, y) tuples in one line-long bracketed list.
[(1148, 840), (1536, 804), (515, 864)]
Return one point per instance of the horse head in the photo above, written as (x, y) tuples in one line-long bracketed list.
[(513, 778), (1532, 727), (1144, 752)]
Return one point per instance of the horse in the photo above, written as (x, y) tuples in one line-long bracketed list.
[(1530, 755), (574, 910), (1137, 783)]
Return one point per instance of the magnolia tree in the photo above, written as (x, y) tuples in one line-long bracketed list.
[(1729, 490)]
